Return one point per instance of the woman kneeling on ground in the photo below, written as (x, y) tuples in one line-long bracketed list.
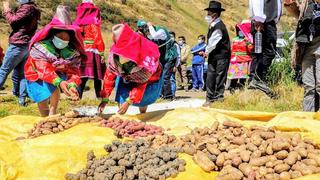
[(134, 69), (55, 55)]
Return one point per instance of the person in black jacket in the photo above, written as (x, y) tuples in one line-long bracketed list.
[(265, 14), (306, 49), (218, 52)]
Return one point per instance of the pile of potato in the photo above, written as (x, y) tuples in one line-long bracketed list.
[(242, 153), (59, 123), (162, 140), (129, 161), (132, 129)]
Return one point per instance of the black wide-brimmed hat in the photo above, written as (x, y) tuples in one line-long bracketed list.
[(214, 6)]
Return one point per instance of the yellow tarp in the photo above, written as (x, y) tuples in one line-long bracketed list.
[(51, 157)]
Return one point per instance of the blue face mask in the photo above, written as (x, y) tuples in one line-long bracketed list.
[(241, 35), (59, 43), (23, 1)]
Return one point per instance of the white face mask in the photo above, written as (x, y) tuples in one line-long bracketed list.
[(23, 1), (200, 41), (181, 42), (87, 1), (59, 43), (208, 19)]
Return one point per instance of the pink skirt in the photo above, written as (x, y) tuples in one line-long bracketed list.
[(239, 70), (93, 67)]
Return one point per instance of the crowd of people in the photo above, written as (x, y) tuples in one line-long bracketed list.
[(150, 62)]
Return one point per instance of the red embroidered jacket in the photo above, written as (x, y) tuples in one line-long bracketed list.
[(241, 50), (93, 40), (43, 64), (136, 93), (35, 70)]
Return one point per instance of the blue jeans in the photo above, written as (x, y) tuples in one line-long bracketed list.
[(15, 59), (197, 76), (167, 72), (173, 83)]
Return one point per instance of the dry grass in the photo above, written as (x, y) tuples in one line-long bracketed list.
[(185, 17), (248, 100)]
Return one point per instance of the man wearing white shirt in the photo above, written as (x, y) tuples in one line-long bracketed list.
[(218, 52), (265, 14)]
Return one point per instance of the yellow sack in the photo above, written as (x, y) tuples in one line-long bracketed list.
[(51, 157)]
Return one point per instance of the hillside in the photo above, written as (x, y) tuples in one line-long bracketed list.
[(185, 17)]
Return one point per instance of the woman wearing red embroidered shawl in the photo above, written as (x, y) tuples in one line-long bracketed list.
[(94, 67), (240, 61), (55, 55), (134, 69)]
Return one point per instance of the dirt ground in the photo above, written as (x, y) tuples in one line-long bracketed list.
[(179, 95), (90, 94)]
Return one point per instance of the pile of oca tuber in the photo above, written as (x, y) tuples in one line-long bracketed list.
[(129, 161), (132, 129)]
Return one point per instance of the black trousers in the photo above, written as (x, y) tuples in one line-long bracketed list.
[(216, 78), (97, 87), (262, 62), (167, 71), (237, 84)]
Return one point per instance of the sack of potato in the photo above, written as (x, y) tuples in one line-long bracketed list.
[(242, 153)]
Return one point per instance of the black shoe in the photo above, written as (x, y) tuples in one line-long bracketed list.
[(22, 102), (232, 90), (3, 87), (169, 98), (262, 86), (252, 84)]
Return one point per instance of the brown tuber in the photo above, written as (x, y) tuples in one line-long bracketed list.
[(132, 129), (257, 152), (230, 173), (143, 163), (203, 161)]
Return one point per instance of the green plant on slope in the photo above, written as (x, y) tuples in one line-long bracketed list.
[(281, 72)]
